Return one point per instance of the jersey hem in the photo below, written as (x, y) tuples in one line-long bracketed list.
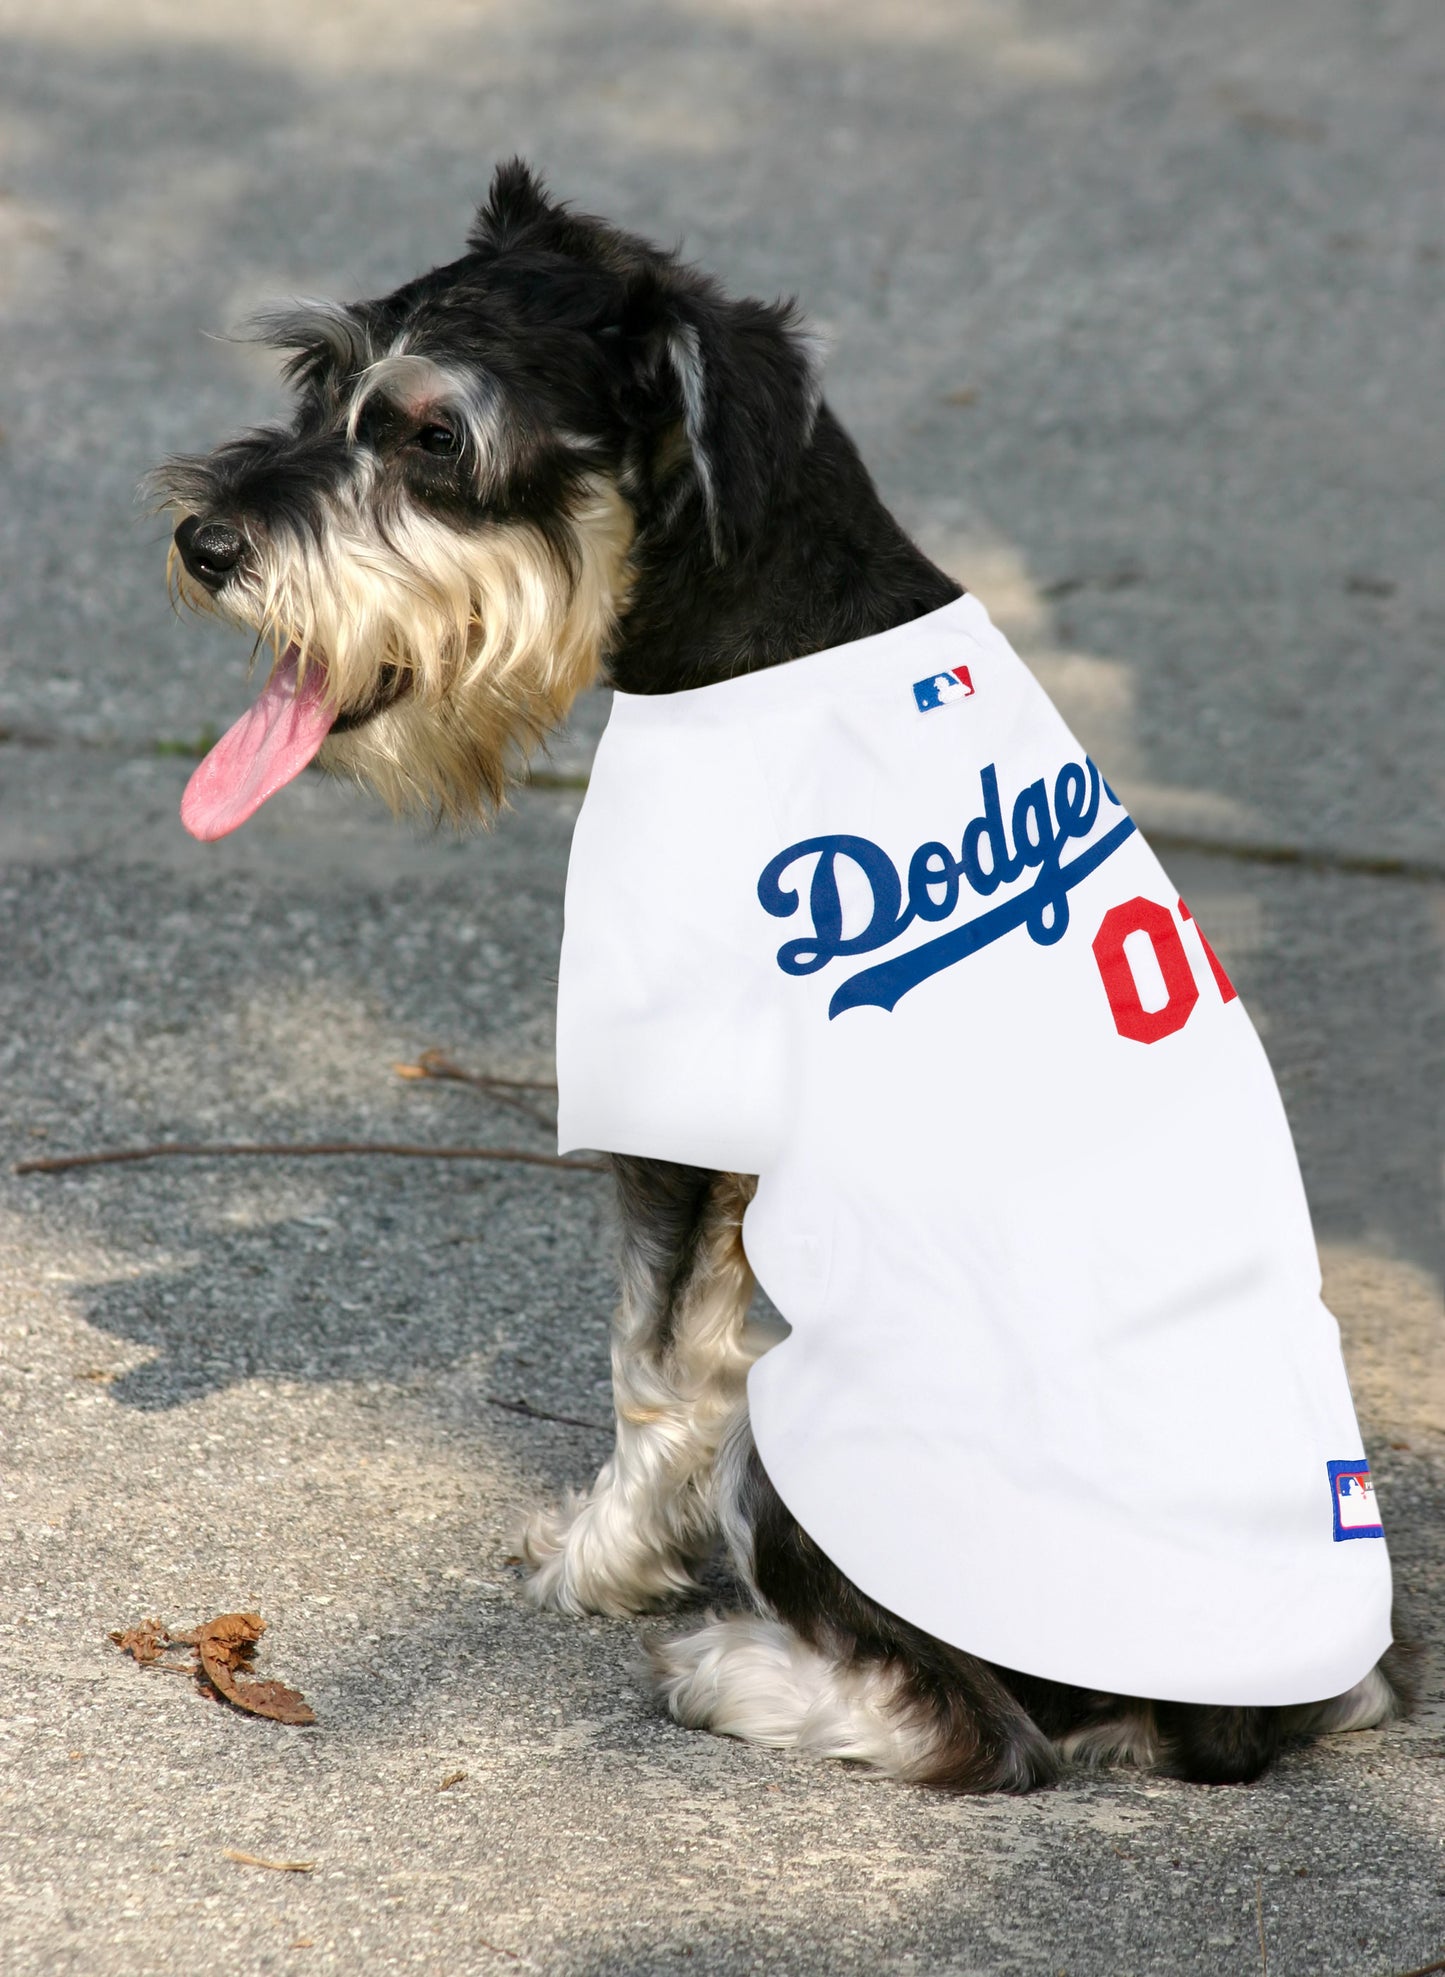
[(1321, 1682)]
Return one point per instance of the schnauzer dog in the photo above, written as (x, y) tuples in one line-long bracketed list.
[(568, 458)]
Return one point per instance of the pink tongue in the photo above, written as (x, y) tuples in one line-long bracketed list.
[(270, 744)]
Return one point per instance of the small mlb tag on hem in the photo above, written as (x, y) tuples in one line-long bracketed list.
[(940, 688), (1353, 1496)]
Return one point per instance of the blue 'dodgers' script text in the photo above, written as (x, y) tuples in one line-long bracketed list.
[(991, 854)]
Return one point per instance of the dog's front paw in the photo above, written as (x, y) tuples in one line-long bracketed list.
[(588, 1556), (542, 1548)]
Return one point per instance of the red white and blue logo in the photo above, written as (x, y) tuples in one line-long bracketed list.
[(1356, 1512), (940, 688)]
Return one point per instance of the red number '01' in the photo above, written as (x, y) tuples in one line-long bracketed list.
[(1156, 922)]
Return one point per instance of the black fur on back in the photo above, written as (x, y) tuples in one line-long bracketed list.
[(761, 536)]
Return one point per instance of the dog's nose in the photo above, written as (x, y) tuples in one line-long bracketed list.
[(209, 550)]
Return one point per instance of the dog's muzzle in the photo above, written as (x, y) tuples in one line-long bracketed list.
[(209, 550)]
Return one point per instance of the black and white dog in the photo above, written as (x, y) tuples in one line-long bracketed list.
[(565, 458)]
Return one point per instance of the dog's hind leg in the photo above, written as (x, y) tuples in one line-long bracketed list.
[(1210, 1745), (680, 1355), (1233, 1746), (1390, 1690), (823, 1669)]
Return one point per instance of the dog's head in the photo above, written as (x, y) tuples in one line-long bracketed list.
[(480, 471)]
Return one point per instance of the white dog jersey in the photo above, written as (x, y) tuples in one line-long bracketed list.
[(1059, 1387)]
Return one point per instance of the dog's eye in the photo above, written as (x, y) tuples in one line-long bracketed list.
[(440, 440)]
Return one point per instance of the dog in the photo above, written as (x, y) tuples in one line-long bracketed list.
[(567, 458)]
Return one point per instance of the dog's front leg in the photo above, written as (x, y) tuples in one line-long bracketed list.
[(680, 1356)]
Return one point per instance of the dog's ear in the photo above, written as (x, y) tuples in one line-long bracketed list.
[(748, 377), (519, 212), (518, 203)]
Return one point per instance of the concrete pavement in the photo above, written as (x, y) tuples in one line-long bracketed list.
[(1136, 312)]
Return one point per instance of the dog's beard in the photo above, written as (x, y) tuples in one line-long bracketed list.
[(447, 654)]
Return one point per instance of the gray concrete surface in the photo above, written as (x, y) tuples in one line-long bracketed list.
[(1136, 309)]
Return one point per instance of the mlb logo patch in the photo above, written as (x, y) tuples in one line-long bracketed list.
[(1356, 1515), (942, 687)]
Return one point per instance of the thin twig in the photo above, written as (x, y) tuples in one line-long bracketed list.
[(286, 1150), (525, 1108), (1259, 1918), (279, 1866), (1425, 1969), (432, 1065), (541, 1414)]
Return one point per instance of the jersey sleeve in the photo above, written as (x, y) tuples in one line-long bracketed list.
[(669, 1037)]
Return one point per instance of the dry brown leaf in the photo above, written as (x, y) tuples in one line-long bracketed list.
[(228, 1636), (452, 1778), (278, 1866), (224, 1648), (270, 1699), (147, 1642)]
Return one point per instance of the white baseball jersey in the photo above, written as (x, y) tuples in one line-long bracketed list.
[(1059, 1387)]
